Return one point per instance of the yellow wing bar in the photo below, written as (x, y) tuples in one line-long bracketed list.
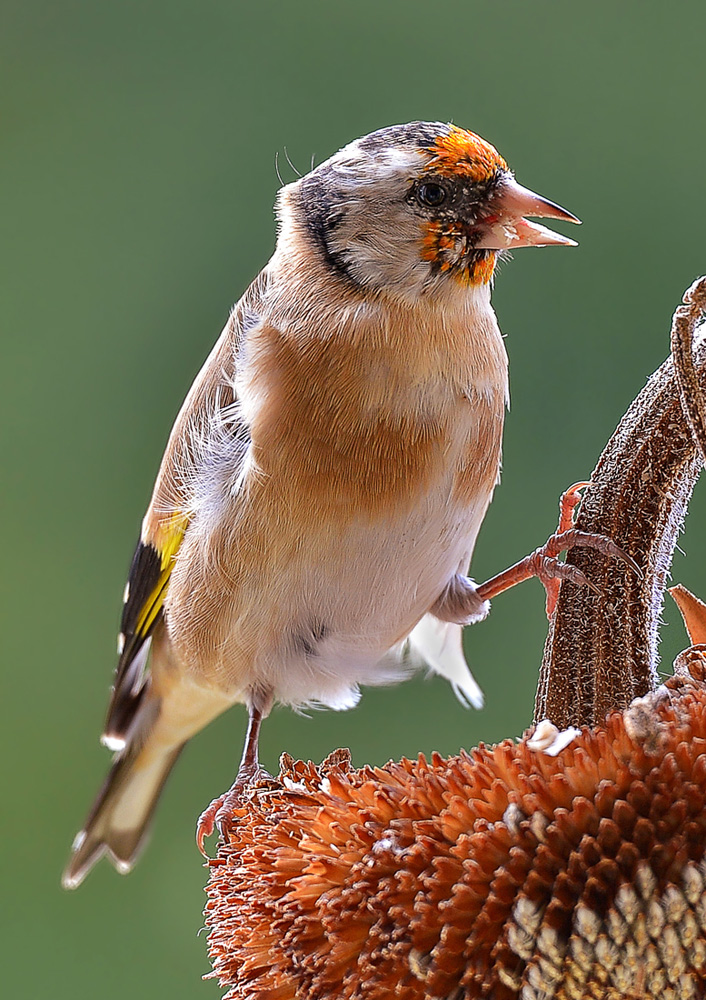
[(168, 538)]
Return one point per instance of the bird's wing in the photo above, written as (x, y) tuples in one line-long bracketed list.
[(145, 591), (209, 408)]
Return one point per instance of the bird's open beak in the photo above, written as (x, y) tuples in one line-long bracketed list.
[(505, 228)]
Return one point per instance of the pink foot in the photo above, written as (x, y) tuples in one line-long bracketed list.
[(543, 562), (568, 502), (206, 823), (222, 808)]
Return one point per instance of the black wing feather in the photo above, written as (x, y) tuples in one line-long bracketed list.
[(136, 627)]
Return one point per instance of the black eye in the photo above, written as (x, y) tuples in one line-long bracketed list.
[(430, 194)]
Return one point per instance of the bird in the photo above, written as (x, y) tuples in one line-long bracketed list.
[(322, 488)]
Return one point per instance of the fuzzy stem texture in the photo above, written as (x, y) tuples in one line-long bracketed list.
[(601, 650)]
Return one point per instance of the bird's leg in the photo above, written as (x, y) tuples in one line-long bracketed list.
[(543, 562), (250, 770), (463, 602)]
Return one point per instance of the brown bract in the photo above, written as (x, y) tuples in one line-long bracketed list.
[(501, 873)]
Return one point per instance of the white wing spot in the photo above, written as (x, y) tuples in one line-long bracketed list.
[(114, 743)]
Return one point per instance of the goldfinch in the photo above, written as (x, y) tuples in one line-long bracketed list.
[(323, 485)]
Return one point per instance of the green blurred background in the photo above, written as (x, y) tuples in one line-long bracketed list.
[(138, 150)]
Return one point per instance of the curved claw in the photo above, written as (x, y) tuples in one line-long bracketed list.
[(206, 823), (217, 814), (565, 572), (574, 538), (568, 502)]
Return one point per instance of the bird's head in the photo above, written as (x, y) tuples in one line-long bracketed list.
[(410, 208)]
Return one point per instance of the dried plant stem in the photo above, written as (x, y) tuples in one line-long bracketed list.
[(601, 651), (690, 391)]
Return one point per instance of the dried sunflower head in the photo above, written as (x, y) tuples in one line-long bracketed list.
[(501, 873)]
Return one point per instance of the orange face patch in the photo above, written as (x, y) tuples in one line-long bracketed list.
[(465, 153), (445, 244)]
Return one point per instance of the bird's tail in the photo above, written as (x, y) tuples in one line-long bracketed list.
[(118, 822)]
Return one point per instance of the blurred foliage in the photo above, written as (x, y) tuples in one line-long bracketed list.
[(138, 150)]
